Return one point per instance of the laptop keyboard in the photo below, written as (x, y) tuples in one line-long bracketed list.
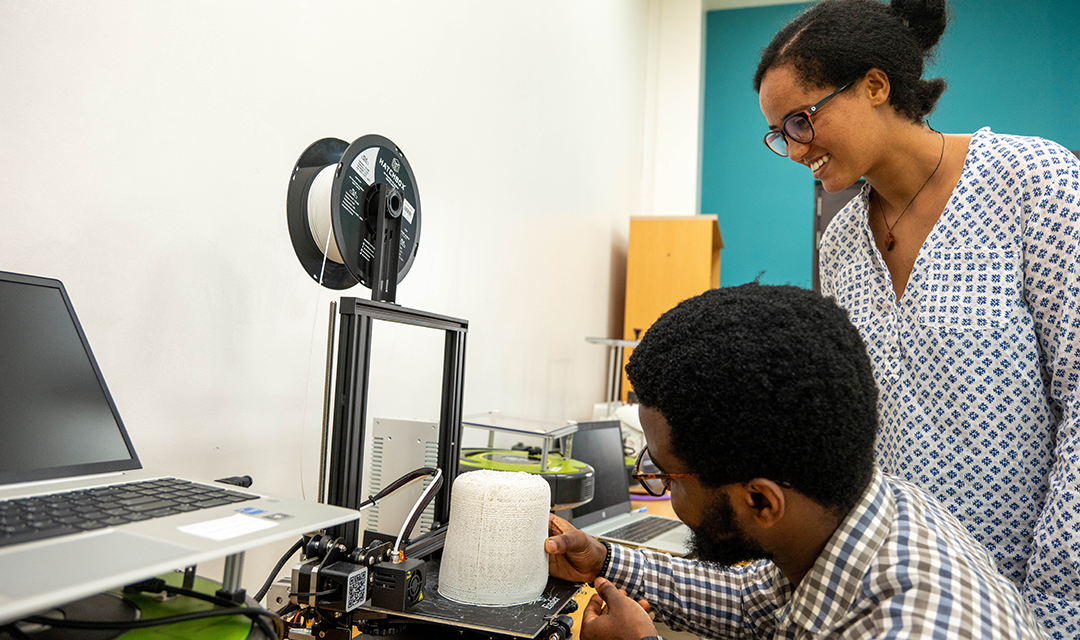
[(58, 514), (643, 530)]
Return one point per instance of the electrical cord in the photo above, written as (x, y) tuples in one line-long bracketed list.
[(404, 480), (157, 585), (418, 508), (92, 625), (329, 552), (273, 574), (288, 609), (14, 632)]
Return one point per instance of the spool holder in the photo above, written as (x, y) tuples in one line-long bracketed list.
[(382, 203)]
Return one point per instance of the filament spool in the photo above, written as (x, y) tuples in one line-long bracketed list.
[(494, 551), (330, 217), (320, 154)]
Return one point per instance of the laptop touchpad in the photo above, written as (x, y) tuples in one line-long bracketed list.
[(83, 559)]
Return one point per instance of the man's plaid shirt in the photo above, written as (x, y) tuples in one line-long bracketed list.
[(898, 566)]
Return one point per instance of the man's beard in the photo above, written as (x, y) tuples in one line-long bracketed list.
[(720, 541)]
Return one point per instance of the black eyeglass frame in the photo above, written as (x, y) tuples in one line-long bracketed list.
[(804, 114), (665, 478)]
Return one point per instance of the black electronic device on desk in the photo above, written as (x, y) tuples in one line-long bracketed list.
[(354, 217)]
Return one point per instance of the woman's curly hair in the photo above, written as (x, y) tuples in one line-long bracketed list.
[(837, 41)]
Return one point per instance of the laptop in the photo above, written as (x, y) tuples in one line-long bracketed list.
[(609, 516), (59, 432)]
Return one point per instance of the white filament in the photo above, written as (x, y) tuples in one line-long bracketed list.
[(318, 212), (494, 551)]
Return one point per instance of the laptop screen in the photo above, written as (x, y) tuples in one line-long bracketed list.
[(599, 444), (56, 417)]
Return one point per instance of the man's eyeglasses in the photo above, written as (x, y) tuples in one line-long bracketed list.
[(797, 126), (655, 482)]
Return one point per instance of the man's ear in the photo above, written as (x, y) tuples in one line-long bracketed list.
[(876, 87), (764, 501)]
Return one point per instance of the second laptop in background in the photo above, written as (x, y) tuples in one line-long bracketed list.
[(609, 515)]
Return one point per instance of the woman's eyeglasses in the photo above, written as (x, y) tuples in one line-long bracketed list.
[(655, 482), (797, 126)]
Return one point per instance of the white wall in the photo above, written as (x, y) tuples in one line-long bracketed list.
[(671, 170), (145, 151)]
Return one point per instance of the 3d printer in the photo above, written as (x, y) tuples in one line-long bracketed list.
[(354, 216)]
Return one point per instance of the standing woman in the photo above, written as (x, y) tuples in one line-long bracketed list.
[(958, 262)]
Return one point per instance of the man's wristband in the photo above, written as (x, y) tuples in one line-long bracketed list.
[(607, 558)]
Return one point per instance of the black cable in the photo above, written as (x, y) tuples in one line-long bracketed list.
[(223, 602), (420, 510), (318, 572), (273, 574), (275, 632), (14, 632), (329, 550), (95, 625), (288, 609), (397, 484), (157, 585)]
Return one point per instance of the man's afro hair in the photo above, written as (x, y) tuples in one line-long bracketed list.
[(763, 382)]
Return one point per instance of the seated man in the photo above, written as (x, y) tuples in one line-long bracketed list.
[(759, 412)]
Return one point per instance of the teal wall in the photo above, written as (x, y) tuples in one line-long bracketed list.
[(1012, 66)]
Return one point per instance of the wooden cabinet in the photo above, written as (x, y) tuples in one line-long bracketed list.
[(669, 260)]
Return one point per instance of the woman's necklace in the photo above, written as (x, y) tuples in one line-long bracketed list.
[(890, 241)]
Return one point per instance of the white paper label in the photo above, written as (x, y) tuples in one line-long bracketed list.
[(226, 528), (364, 164)]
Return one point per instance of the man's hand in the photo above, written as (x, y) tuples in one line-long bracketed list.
[(573, 555), (621, 619)]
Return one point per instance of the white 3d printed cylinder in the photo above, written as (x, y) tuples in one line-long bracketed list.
[(494, 551)]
